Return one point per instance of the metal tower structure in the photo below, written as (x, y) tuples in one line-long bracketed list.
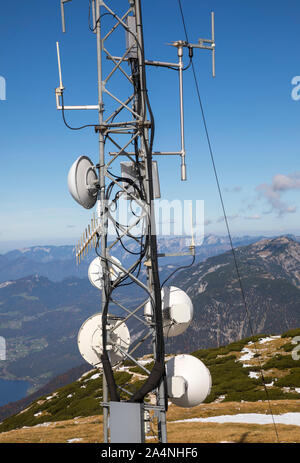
[(125, 130)]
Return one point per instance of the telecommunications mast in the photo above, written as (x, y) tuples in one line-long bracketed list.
[(125, 130)]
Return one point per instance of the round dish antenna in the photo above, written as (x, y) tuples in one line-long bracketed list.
[(95, 272), (188, 379), (82, 180), (89, 340), (177, 309)]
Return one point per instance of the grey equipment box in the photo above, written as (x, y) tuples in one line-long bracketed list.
[(126, 422), (128, 171)]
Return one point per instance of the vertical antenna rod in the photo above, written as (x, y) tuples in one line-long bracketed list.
[(213, 43), (61, 87), (62, 9)]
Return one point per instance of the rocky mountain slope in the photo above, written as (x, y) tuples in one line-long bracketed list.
[(270, 276)]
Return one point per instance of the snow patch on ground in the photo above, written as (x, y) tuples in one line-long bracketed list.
[(254, 374), (76, 439), (268, 339), (250, 418), (202, 287), (270, 384), (43, 424), (248, 355), (24, 250), (6, 283)]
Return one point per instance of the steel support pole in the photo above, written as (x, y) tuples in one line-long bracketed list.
[(101, 201), (150, 203), (183, 165)]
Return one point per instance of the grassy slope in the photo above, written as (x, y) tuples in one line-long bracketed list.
[(232, 388)]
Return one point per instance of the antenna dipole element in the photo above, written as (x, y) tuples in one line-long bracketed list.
[(61, 87), (62, 8), (213, 43)]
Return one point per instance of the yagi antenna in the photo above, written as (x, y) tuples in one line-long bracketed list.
[(88, 240)]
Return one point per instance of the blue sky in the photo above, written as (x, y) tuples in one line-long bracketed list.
[(252, 118)]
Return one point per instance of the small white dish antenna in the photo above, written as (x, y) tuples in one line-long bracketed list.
[(82, 180), (89, 340), (188, 379), (95, 272), (177, 310)]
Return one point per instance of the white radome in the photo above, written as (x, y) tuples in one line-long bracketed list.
[(195, 376), (177, 310), (95, 272), (81, 182), (89, 340)]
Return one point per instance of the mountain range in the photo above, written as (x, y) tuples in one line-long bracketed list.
[(58, 262), (40, 318)]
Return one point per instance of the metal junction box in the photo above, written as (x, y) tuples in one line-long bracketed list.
[(126, 422)]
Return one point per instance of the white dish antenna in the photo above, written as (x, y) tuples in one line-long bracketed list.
[(189, 381), (82, 180), (95, 272), (177, 310), (89, 340)]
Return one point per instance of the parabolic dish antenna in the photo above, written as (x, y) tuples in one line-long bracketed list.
[(95, 272), (189, 380), (90, 340), (177, 310), (81, 182)]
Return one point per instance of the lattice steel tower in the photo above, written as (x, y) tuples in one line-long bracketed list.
[(125, 130)]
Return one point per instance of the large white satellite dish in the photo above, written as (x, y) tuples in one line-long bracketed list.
[(81, 182), (177, 310), (89, 340), (95, 272), (188, 379)]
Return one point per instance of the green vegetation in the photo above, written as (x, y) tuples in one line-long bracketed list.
[(231, 380), (281, 362), (140, 370), (81, 398), (291, 380), (291, 333), (288, 347), (213, 353)]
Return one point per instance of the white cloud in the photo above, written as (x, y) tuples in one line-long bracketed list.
[(235, 189), (253, 217), (207, 222), (273, 192), (286, 182), (229, 217)]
